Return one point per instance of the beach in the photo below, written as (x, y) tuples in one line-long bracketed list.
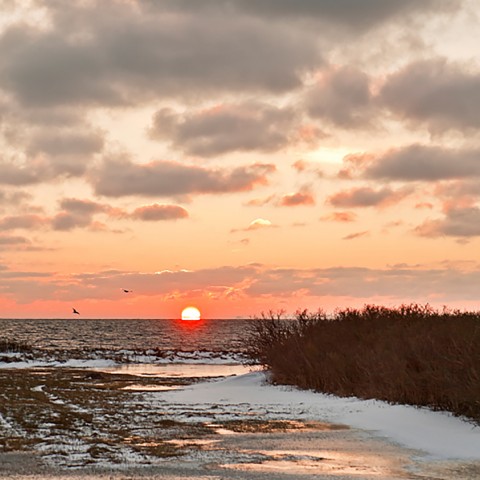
[(102, 423)]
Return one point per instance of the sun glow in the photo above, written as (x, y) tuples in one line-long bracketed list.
[(190, 313)]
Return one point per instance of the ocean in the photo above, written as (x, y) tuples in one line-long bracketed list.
[(124, 340)]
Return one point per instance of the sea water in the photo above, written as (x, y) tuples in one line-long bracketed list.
[(131, 340)]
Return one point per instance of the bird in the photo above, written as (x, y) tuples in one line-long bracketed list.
[(126, 291), (75, 311)]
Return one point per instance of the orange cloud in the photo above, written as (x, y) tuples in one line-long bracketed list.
[(341, 217), (295, 199)]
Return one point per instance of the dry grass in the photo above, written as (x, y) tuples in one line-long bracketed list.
[(412, 354)]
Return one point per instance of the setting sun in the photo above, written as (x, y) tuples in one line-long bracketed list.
[(190, 313)]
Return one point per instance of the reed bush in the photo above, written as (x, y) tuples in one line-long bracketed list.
[(412, 354)]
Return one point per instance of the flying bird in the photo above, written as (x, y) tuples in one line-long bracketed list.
[(126, 291), (75, 311)]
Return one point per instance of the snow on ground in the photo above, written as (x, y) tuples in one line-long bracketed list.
[(438, 434)]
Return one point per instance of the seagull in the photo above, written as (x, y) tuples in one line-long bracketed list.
[(126, 291), (75, 311)]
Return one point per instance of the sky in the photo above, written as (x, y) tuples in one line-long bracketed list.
[(241, 156)]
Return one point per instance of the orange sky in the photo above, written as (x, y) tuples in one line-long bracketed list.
[(240, 156)]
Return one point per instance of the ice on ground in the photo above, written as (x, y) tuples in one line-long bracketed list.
[(438, 434)]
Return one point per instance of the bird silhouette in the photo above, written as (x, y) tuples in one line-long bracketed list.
[(75, 311), (126, 291)]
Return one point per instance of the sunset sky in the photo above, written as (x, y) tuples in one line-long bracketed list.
[(238, 155)]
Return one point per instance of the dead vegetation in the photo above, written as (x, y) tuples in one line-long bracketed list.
[(412, 354)]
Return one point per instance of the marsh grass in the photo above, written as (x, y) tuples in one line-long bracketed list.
[(412, 354)]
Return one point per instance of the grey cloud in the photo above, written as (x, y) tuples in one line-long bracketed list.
[(457, 222), (400, 284), (343, 97), (27, 221), (76, 214), (351, 13), (367, 197), (396, 283), (39, 170), (226, 128), (118, 178), (12, 240), (426, 163), (64, 221), (442, 95), (108, 53), (58, 143), (23, 174), (81, 207)]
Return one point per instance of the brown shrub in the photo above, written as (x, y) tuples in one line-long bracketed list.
[(412, 354)]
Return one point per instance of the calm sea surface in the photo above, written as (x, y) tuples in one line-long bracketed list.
[(208, 335)]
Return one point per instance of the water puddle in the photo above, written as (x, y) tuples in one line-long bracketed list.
[(149, 388), (178, 370), (330, 463)]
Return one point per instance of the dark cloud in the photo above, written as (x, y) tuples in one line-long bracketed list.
[(120, 177), (342, 96), (442, 95), (457, 222), (157, 212), (226, 128), (424, 163), (350, 13), (367, 197), (115, 53)]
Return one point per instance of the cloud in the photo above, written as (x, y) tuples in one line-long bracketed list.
[(226, 128), (12, 240), (350, 13), (58, 143), (353, 236), (12, 173), (157, 212), (367, 197), (308, 287), (118, 53), (457, 222), (13, 197), (442, 95), (424, 163), (257, 224), (344, 217), (303, 197), (120, 177), (342, 96), (76, 214), (27, 221)]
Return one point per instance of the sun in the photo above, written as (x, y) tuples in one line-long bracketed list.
[(191, 313)]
